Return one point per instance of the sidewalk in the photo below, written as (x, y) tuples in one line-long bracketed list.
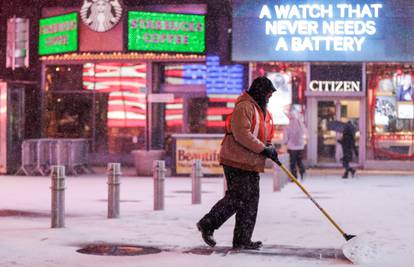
[(360, 172), (379, 204)]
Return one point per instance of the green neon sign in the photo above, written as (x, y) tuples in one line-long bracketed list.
[(58, 34), (168, 32)]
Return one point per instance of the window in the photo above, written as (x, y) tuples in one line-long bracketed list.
[(17, 43), (290, 80), (391, 111), (104, 102), (120, 89)]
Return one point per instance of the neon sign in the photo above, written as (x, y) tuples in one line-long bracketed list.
[(150, 31), (58, 34)]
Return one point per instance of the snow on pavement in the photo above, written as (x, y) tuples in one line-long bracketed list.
[(378, 209)]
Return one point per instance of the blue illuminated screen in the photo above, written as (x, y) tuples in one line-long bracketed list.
[(322, 30)]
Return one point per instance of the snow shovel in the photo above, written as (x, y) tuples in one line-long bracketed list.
[(346, 236)]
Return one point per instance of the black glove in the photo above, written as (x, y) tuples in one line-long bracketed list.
[(270, 152)]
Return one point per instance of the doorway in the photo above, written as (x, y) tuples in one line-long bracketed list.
[(328, 150)]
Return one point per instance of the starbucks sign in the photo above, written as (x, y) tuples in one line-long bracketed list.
[(101, 15)]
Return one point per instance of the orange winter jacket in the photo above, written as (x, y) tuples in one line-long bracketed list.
[(247, 132)]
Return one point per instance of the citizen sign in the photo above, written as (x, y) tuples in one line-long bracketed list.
[(335, 86)]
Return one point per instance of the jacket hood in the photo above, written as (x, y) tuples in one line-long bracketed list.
[(246, 97), (259, 89)]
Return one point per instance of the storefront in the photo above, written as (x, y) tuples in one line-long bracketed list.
[(134, 82), (335, 61)]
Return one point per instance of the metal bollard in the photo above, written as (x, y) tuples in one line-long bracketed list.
[(277, 181), (159, 179), (196, 176), (114, 171), (58, 196)]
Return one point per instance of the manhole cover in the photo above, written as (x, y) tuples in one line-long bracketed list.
[(118, 250), (22, 213)]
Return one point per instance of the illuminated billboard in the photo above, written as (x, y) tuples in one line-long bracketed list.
[(152, 31), (58, 34), (321, 30)]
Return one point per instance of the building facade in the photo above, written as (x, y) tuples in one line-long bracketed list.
[(336, 62), (156, 79)]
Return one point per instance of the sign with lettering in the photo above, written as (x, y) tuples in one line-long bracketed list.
[(188, 149), (58, 34), (335, 86), (335, 78), (303, 30), (152, 31)]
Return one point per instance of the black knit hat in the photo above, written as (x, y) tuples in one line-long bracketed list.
[(262, 84)]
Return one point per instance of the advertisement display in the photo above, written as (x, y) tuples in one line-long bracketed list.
[(58, 34), (152, 31), (286, 30), (332, 79), (385, 110), (191, 147), (281, 100), (394, 98), (391, 111), (405, 110)]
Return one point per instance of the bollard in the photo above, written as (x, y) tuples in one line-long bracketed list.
[(58, 196), (277, 181), (285, 179), (196, 176), (159, 178), (114, 171)]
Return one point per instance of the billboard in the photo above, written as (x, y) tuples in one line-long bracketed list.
[(321, 30), (207, 149), (58, 34), (281, 100), (168, 32)]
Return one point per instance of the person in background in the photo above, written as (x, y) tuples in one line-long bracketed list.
[(405, 89), (244, 149), (348, 147), (294, 137)]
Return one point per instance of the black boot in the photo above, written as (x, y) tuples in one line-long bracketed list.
[(207, 235), (302, 175), (250, 245), (353, 171)]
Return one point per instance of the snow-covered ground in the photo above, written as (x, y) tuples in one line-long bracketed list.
[(378, 208)]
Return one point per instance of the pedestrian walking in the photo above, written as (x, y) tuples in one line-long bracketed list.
[(244, 149), (294, 137), (348, 147)]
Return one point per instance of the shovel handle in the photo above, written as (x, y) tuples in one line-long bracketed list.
[(312, 199)]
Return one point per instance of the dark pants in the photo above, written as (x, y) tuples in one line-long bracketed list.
[(242, 199), (347, 157), (295, 159)]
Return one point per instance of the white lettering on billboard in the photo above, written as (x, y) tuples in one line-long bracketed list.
[(335, 86), (320, 27)]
